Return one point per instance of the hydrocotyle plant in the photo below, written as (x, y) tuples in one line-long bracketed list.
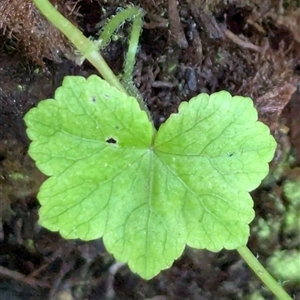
[(149, 192)]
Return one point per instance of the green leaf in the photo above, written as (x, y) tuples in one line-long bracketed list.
[(147, 193)]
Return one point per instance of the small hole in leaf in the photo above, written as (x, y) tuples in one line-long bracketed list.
[(111, 141)]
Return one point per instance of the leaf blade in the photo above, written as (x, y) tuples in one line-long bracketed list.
[(147, 194)]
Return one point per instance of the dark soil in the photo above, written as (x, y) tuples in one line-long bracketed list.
[(250, 50)]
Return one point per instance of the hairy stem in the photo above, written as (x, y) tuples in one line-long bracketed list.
[(116, 21), (86, 47), (133, 46), (262, 273), (112, 25)]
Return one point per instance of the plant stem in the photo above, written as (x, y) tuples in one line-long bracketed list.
[(127, 78), (133, 45), (90, 49), (116, 21), (263, 274), (112, 25), (86, 47)]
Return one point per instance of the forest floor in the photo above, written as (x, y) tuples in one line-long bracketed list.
[(250, 50)]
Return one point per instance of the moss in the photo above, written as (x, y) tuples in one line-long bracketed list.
[(285, 265), (291, 190)]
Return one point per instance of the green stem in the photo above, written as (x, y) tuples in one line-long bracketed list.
[(263, 274), (86, 47), (127, 78), (133, 46), (115, 22), (90, 49), (112, 25)]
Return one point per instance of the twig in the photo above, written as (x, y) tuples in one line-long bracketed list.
[(176, 30), (110, 292), (23, 278), (243, 44)]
